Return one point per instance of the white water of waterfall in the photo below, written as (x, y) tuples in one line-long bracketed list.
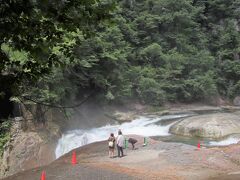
[(144, 126), (225, 142)]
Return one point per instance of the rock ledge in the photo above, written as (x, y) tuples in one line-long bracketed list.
[(217, 125)]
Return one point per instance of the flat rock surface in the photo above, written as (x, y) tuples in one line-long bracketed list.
[(215, 125), (157, 160)]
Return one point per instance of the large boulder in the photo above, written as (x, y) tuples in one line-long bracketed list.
[(215, 125)]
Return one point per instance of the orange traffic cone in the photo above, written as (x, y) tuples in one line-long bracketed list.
[(43, 176), (199, 145), (74, 159)]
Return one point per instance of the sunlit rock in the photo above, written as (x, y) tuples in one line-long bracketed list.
[(215, 125)]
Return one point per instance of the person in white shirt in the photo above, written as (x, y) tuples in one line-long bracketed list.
[(120, 144)]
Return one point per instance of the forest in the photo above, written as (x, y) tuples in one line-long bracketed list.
[(156, 51)]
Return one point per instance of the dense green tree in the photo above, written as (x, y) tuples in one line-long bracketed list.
[(220, 22), (34, 28), (162, 51), (154, 50), (37, 38)]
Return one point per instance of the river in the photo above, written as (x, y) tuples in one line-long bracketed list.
[(154, 126)]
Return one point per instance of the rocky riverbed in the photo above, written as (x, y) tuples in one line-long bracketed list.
[(36, 150), (157, 160)]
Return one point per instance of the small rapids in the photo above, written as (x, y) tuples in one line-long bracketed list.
[(144, 126), (225, 142)]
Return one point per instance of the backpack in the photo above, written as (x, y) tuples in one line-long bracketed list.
[(110, 144)]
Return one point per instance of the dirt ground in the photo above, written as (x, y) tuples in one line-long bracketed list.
[(157, 160)]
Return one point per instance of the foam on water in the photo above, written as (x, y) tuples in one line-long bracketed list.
[(225, 142), (144, 126)]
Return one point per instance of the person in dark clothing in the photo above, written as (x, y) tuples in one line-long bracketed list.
[(132, 141)]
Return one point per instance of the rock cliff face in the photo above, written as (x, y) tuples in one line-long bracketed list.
[(27, 149), (215, 125)]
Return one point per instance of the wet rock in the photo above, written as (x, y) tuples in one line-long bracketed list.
[(215, 126), (124, 116)]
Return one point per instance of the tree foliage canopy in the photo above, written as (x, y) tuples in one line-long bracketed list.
[(154, 50), (30, 31)]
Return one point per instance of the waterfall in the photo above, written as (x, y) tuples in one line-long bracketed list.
[(144, 126)]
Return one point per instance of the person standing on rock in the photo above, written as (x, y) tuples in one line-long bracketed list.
[(120, 143), (111, 145)]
